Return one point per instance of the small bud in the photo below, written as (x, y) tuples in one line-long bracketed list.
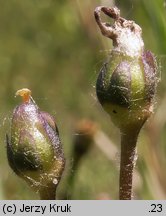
[(34, 150), (127, 82), (82, 143)]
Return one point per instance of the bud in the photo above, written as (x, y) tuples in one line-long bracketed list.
[(85, 130), (34, 150), (127, 82)]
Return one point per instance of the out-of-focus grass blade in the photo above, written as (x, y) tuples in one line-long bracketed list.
[(156, 11)]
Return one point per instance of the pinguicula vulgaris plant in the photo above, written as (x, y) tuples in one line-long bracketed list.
[(126, 87), (34, 149)]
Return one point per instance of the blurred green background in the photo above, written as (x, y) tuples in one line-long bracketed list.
[(55, 48)]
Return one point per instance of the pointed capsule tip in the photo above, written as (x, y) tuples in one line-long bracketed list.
[(25, 93)]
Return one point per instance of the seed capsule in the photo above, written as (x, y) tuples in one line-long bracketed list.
[(127, 81), (34, 150)]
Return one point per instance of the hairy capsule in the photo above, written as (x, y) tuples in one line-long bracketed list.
[(34, 149), (127, 81)]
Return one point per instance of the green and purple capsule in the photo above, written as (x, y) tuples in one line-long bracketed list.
[(127, 82), (34, 148)]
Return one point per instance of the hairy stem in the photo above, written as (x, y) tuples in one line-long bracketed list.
[(128, 159)]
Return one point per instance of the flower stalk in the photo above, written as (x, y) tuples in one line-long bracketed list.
[(127, 163)]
